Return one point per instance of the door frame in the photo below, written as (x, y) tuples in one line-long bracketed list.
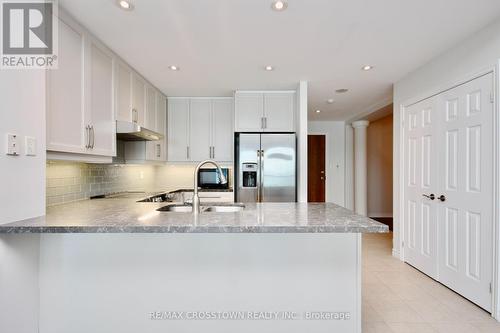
[(327, 159), (495, 70)]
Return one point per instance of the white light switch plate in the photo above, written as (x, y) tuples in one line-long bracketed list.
[(30, 146), (12, 145)]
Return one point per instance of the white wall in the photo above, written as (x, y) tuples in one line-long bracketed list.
[(479, 52), (301, 118), (335, 158), (22, 112), (22, 195)]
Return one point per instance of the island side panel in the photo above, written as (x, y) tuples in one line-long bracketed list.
[(142, 282)]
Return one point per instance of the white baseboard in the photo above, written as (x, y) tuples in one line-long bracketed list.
[(395, 253)]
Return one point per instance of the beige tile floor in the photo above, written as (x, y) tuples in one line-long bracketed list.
[(397, 298)]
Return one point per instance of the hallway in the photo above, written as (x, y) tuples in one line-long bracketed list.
[(397, 298)]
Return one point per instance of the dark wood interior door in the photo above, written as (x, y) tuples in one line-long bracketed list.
[(316, 176)]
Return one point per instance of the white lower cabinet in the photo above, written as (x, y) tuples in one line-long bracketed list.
[(200, 129)]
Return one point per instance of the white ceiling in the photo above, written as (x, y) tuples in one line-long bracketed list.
[(223, 45)]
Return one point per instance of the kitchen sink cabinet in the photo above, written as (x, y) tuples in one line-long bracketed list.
[(200, 129), (271, 111)]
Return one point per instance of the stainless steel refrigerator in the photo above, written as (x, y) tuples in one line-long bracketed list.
[(266, 167)]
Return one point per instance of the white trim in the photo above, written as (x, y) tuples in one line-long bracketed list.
[(496, 195), (327, 158), (496, 213), (199, 97), (265, 92), (349, 167)]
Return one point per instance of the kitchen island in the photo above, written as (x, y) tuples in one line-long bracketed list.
[(115, 265)]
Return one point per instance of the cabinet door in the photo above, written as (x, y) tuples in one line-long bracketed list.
[(279, 112), (100, 103), (200, 129), (66, 126), (138, 99), (161, 126), (150, 119), (222, 130), (178, 130), (249, 110), (123, 79)]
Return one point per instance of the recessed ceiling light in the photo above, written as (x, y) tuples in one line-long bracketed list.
[(269, 68), (318, 111), (174, 68), (367, 67), (341, 91), (279, 5), (330, 101), (125, 5)]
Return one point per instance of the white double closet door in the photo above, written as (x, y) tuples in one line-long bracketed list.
[(449, 188)]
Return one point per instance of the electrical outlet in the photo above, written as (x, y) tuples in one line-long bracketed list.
[(12, 145), (30, 145)]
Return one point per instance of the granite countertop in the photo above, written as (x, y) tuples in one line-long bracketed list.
[(126, 215)]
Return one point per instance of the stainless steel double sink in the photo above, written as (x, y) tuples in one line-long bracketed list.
[(184, 208)]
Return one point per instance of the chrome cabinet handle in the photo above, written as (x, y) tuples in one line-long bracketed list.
[(262, 122), (213, 151), (158, 150), (187, 152), (265, 122), (442, 198), (87, 137), (134, 116), (431, 196), (93, 136)]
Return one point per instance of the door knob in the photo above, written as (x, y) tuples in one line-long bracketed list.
[(430, 196), (442, 198)]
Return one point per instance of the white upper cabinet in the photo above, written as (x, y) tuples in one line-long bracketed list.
[(138, 100), (208, 123), (123, 87), (222, 130), (249, 112), (161, 127), (150, 118), (279, 115), (265, 111), (200, 129), (100, 100), (66, 125), (178, 130)]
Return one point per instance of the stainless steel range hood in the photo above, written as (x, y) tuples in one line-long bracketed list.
[(130, 131)]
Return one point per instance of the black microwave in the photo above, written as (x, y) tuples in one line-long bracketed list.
[(210, 179)]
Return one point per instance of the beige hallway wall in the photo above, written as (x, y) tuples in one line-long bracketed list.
[(379, 163)]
